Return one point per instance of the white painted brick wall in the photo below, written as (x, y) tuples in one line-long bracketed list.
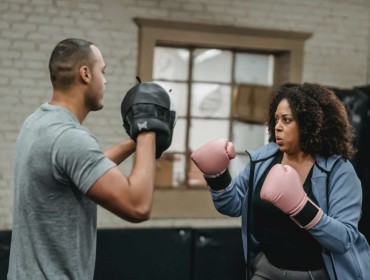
[(337, 54)]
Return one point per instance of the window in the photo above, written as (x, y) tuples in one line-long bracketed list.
[(214, 72), (202, 82)]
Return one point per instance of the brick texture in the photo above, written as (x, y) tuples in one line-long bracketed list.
[(337, 54)]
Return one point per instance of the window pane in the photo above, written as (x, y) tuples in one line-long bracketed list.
[(248, 136), (179, 93), (254, 69), (237, 164), (179, 137), (171, 64), (203, 131), (210, 100), (212, 65)]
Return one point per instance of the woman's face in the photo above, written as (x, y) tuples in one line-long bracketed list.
[(286, 129)]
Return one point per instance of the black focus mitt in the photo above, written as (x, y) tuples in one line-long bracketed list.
[(148, 107)]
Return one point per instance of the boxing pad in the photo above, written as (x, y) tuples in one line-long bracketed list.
[(213, 160), (148, 107)]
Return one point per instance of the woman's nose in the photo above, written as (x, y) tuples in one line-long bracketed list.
[(278, 125)]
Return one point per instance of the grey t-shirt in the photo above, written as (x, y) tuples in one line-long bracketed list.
[(54, 223)]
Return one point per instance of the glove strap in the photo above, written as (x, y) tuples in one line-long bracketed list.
[(308, 216), (219, 182)]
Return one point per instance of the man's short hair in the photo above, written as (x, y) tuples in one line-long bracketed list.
[(66, 59)]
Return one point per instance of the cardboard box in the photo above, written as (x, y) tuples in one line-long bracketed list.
[(196, 178), (164, 171), (251, 103)]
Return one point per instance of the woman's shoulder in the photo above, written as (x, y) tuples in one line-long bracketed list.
[(332, 162), (266, 151)]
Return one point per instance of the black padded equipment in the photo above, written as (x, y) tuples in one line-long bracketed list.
[(148, 107)]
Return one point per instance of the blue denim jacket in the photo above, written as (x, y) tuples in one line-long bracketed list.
[(338, 192)]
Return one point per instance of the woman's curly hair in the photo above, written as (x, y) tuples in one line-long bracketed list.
[(324, 126)]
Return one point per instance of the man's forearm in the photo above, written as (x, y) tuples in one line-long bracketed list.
[(119, 152)]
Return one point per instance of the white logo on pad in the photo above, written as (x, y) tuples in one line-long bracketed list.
[(142, 125)]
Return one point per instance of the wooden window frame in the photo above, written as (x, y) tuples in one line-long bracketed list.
[(286, 46)]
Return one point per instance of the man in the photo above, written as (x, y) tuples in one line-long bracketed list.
[(61, 173)]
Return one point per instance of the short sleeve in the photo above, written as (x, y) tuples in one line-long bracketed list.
[(78, 158)]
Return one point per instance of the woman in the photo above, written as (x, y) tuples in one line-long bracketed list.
[(302, 221)]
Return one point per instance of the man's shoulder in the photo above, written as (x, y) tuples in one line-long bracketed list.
[(50, 118)]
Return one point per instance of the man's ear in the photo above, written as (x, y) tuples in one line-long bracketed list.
[(85, 74)]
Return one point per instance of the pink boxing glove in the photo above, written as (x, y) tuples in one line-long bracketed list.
[(283, 188), (213, 159)]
